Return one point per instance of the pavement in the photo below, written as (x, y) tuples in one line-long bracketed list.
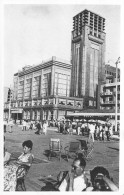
[(42, 170)]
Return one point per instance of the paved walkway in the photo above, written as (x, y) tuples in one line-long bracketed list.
[(105, 153)]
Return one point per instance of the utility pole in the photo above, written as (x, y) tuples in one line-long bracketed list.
[(116, 93), (10, 93)]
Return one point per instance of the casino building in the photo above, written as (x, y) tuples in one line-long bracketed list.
[(55, 87), (42, 92)]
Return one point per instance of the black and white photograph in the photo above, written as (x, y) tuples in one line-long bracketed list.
[(62, 71)]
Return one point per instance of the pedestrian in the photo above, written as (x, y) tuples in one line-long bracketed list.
[(31, 125), (24, 125), (83, 128), (111, 130), (97, 132), (58, 126), (61, 126), (100, 130), (92, 131), (38, 127), (78, 129), (45, 125), (5, 125), (107, 132), (70, 128), (103, 132), (10, 125)]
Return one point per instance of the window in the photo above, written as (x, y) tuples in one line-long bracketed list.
[(62, 84), (21, 90), (93, 71), (47, 84), (36, 86), (28, 88), (90, 103)]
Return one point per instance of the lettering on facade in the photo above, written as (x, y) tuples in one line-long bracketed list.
[(39, 102), (45, 102), (62, 101), (70, 103), (78, 104)]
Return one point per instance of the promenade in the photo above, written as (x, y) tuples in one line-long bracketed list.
[(105, 154)]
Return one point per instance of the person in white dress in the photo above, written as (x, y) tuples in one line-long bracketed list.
[(45, 125)]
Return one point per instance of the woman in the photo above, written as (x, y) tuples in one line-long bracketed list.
[(10, 171)]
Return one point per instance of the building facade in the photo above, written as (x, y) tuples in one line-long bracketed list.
[(88, 56), (42, 92), (108, 90)]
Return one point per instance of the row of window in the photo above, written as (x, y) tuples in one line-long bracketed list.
[(61, 87)]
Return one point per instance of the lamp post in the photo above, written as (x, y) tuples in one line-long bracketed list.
[(116, 93), (9, 105)]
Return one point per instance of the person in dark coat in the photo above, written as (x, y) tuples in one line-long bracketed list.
[(38, 126)]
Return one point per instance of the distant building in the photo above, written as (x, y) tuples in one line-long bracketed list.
[(8, 98), (42, 92), (108, 89), (6, 94), (88, 57)]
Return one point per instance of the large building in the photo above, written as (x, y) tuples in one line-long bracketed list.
[(42, 92), (54, 88), (108, 89), (88, 57)]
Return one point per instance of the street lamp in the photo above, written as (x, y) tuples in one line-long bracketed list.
[(116, 93)]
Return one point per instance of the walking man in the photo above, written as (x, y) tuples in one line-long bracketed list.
[(92, 131)]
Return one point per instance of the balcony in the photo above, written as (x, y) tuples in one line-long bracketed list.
[(106, 93), (108, 102)]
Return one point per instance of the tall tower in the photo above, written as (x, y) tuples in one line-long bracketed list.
[(88, 56)]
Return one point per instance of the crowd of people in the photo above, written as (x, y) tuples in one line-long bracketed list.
[(76, 179), (95, 130)]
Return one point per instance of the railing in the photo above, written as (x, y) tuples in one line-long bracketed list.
[(107, 93)]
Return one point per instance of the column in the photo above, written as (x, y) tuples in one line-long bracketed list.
[(52, 79)]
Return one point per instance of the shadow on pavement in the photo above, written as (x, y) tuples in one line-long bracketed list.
[(113, 148), (49, 183)]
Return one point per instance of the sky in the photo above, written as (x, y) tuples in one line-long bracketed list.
[(35, 32)]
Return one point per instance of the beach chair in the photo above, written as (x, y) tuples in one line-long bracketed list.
[(87, 150), (55, 148), (72, 148)]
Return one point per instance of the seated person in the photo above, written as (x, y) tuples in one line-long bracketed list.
[(10, 171), (7, 156), (26, 157), (101, 180), (74, 180)]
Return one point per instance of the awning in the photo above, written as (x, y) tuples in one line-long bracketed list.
[(16, 110), (92, 114), (88, 116)]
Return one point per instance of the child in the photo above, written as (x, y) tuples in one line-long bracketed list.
[(10, 171)]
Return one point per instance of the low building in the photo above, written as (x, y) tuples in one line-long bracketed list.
[(42, 92), (108, 90)]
